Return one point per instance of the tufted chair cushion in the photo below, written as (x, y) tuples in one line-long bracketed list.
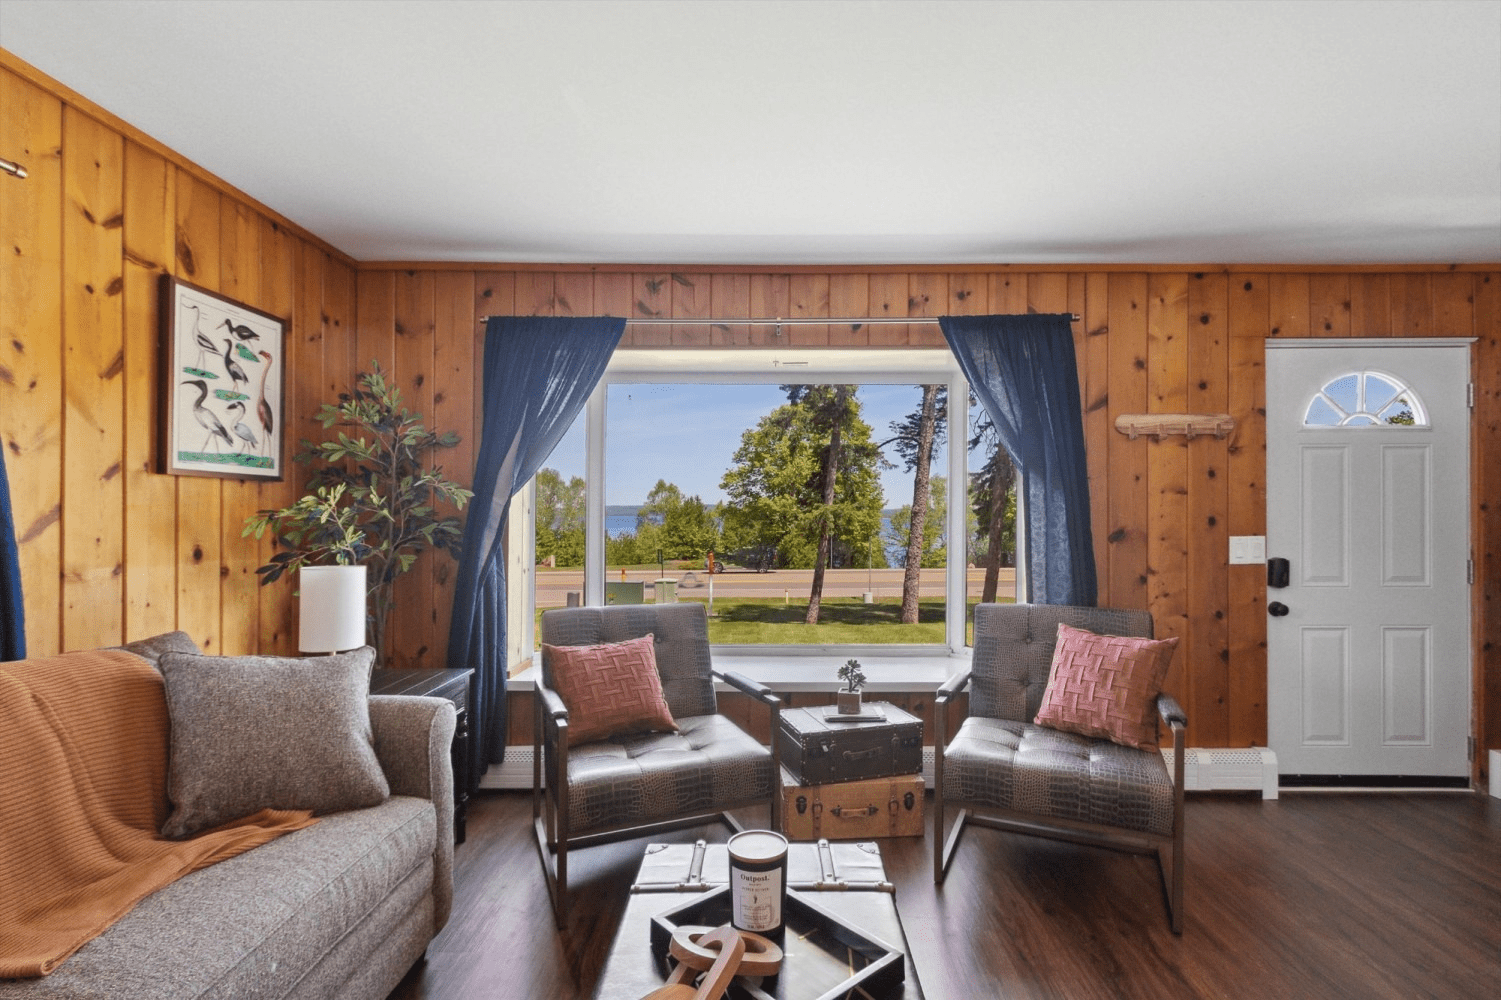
[(1032, 769), (1014, 651), (633, 780), (682, 646)]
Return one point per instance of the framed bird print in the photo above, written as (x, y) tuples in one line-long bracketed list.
[(223, 385)]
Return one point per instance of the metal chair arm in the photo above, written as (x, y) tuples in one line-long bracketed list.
[(952, 686), (552, 702), (1171, 711), (755, 689), (773, 704)]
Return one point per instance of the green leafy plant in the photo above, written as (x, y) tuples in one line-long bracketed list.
[(372, 498), (852, 675)]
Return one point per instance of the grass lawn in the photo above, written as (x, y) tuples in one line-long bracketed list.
[(757, 620), (840, 620)]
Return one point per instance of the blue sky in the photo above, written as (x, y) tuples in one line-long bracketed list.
[(687, 434)]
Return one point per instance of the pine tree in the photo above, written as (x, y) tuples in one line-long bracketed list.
[(804, 484), (916, 436), (992, 498)]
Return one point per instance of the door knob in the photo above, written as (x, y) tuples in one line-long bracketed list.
[(1276, 609)]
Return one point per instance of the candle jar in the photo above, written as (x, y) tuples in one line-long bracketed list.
[(758, 882)]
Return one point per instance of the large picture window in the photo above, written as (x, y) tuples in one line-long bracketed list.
[(780, 489)]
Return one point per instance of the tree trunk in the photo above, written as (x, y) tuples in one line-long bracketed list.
[(379, 602), (826, 526), (993, 550), (916, 532), (1002, 475)]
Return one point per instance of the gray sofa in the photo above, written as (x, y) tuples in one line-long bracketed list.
[(341, 909)]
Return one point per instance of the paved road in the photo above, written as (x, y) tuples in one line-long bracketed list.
[(553, 585)]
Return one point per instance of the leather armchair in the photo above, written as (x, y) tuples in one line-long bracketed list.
[(635, 785), (1009, 773)]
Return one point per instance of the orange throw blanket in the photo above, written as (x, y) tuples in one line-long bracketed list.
[(83, 779)]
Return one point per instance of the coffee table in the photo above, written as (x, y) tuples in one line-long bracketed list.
[(842, 919)]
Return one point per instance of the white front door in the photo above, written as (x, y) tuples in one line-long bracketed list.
[(1368, 644)]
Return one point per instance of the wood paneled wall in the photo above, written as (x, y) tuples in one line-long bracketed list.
[(110, 550), (1156, 340)]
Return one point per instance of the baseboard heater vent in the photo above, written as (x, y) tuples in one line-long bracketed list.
[(515, 770), (1227, 769), (1375, 782)]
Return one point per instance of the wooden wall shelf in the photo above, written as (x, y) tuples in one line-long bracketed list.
[(1161, 425)]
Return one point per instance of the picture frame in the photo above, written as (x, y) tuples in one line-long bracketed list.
[(223, 386)]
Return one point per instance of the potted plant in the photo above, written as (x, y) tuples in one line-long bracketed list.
[(371, 498), (854, 679)]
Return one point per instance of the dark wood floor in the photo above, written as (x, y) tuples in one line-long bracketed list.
[(1315, 895)]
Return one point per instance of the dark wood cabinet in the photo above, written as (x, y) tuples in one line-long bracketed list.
[(452, 685)]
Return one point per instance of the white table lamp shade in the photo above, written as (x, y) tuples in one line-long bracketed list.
[(332, 608)]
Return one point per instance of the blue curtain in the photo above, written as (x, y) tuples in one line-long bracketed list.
[(12, 611), (1023, 371), (538, 374)]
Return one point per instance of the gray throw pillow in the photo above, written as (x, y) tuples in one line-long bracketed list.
[(268, 732), (153, 648)]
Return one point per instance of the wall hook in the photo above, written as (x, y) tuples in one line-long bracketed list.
[(1186, 425)]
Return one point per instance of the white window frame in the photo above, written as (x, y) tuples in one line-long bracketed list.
[(1414, 403), (773, 367)]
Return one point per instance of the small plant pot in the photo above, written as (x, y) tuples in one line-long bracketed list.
[(849, 702)]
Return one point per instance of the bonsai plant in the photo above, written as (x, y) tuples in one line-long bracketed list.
[(854, 679), (371, 498)]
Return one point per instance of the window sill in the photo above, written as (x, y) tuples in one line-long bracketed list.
[(803, 669)]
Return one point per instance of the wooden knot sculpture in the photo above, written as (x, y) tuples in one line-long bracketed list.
[(721, 954)]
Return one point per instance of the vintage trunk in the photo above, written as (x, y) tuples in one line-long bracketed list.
[(819, 750), (876, 807)]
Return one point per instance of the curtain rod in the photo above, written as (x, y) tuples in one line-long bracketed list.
[(793, 321)]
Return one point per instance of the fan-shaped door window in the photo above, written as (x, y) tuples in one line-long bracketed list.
[(1365, 399)]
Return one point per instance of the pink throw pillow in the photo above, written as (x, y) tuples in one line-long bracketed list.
[(610, 689), (1106, 686)]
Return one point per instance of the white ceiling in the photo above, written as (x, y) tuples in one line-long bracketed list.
[(821, 132)]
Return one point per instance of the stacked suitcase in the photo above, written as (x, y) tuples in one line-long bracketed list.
[(851, 780)]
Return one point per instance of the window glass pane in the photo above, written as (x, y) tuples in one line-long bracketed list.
[(719, 491), (1321, 414), (991, 575), (1399, 412), (1378, 392), (1343, 391), (559, 525)]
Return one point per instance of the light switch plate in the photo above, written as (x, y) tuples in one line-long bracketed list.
[(1247, 549)]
